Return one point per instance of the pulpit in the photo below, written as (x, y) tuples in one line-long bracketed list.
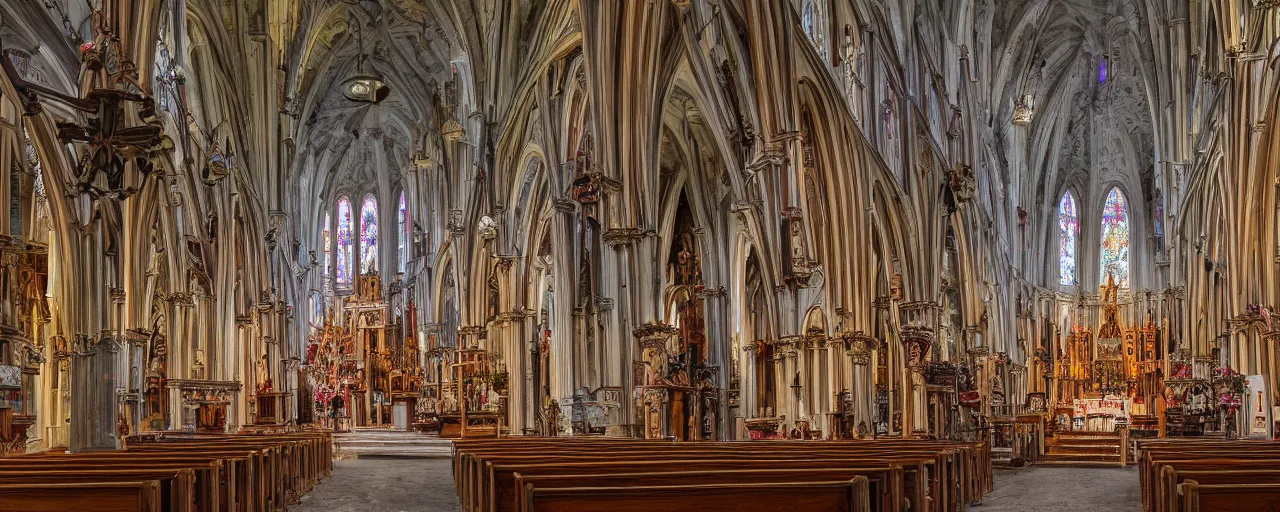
[(211, 415)]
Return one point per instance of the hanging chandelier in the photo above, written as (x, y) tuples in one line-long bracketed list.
[(364, 88)]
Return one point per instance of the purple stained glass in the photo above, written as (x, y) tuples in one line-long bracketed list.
[(1115, 240), (1068, 231), (345, 239), (1102, 70), (369, 235), (402, 235)]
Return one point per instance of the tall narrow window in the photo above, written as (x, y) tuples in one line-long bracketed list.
[(345, 239), (402, 236), (1068, 230), (1115, 240), (1103, 64), (328, 244), (811, 21), (369, 235)]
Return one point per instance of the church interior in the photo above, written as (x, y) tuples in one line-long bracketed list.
[(813, 254)]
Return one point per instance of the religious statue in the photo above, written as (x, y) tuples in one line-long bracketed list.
[(264, 376), (158, 360), (492, 295), (448, 403), (688, 267)]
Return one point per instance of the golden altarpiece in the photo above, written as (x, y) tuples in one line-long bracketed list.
[(24, 314), (1109, 378), (363, 372)]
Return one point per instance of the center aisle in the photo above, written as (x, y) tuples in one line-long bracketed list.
[(1063, 489), (384, 485)]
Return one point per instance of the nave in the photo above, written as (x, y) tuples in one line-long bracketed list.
[(933, 238), (402, 478)]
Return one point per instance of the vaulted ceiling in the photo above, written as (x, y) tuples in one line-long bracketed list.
[(402, 42), (1084, 129)]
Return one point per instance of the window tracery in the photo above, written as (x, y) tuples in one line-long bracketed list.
[(342, 272), (1114, 248), (402, 246), (1068, 232), (811, 20), (369, 235), (327, 241)]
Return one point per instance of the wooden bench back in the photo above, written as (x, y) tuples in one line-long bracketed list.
[(883, 483), (841, 496), (1229, 498), (140, 496)]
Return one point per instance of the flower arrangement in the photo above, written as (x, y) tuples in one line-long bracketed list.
[(1229, 402)]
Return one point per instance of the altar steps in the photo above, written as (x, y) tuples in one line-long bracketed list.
[(390, 444), (1082, 449)]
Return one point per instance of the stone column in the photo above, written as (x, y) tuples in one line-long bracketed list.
[(748, 389), (916, 340), (94, 373), (863, 389)]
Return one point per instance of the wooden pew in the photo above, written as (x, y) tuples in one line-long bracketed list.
[(884, 489), (1171, 478), (497, 487), (214, 477), (1230, 497), (140, 496), (951, 472), (736, 453), (497, 472), (177, 486), (1164, 464), (242, 473), (849, 496), (972, 461)]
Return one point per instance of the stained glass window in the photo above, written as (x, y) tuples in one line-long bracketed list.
[(345, 239), (1102, 70), (1115, 240), (402, 247), (369, 235), (324, 238), (1068, 230), (811, 20)]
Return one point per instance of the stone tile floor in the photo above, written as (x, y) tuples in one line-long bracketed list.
[(426, 485), (384, 485), (1063, 489)]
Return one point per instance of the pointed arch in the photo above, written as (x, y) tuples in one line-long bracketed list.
[(1114, 246), (369, 235), (342, 271), (402, 234), (325, 237), (1068, 235)]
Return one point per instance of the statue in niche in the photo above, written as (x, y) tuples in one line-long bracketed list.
[(157, 364), (157, 250), (211, 228), (264, 376), (688, 265), (798, 259), (492, 295), (584, 278), (6, 290)]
